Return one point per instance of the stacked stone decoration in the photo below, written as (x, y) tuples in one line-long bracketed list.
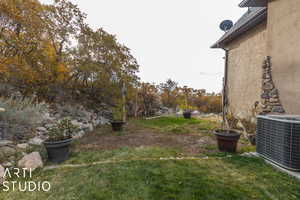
[(270, 100)]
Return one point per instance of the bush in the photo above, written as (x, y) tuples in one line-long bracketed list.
[(20, 114)]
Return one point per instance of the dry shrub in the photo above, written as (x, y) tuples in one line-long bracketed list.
[(21, 112), (250, 127), (232, 121)]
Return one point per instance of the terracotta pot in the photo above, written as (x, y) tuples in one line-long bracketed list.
[(117, 125), (58, 151), (227, 140), (187, 115)]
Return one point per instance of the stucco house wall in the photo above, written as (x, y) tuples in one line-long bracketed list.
[(283, 45), (244, 81)]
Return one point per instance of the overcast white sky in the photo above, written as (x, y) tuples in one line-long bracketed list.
[(169, 38)]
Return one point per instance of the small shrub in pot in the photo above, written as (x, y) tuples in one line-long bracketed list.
[(117, 122), (187, 111), (228, 138), (59, 140)]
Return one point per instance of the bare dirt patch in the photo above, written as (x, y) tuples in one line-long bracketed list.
[(104, 139)]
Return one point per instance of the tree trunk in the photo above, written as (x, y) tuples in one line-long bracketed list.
[(124, 101)]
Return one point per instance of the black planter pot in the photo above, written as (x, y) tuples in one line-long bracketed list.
[(187, 115), (117, 125), (227, 140), (58, 151)]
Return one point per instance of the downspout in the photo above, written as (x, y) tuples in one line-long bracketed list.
[(224, 95)]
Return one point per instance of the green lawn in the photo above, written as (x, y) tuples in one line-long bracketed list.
[(178, 125), (221, 178), (151, 172)]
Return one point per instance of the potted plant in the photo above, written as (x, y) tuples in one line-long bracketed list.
[(228, 138), (187, 114), (118, 117), (59, 140), (187, 111)]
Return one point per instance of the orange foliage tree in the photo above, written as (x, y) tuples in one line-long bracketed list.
[(49, 50)]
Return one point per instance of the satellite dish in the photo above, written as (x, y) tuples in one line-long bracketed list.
[(226, 25)]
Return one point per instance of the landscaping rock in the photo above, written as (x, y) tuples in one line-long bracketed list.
[(278, 109), (7, 164), (103, 121), (36, 141), (49, 125), (41, 129), (7, 151), (268, 86), (76, 123), (265, 96), (23, 146), (2, 171), (31, 161), (196, 112), (87, 127), (78, 135), (5, 143), (274, 100)]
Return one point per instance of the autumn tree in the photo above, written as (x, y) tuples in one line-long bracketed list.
[(169, 93), (50, 51), (148, 99)]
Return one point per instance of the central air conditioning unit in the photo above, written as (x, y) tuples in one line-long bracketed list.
[(278, 140)]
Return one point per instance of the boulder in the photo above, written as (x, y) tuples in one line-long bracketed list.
[(7, 164), (7, 151), (103, 121), (41, 129), (76, 123), (5, 143), (35, 141), (49, 125), (78, 135), (31, 161), (90, 127), (23, 146), (196, 112), (2, 172), (87, 127)]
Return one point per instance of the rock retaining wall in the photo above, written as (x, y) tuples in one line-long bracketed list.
[(17, 151)]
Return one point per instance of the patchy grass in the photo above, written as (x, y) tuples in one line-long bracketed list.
[(187, 136), (222, 178), (129, 176), (178, 125), (124, 153)]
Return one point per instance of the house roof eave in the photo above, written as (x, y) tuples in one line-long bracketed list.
[(253, 3)]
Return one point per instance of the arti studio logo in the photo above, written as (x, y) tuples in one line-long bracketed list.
[(23, 186)]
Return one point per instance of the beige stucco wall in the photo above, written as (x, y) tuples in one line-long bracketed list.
[(246, 55), (283, 45)]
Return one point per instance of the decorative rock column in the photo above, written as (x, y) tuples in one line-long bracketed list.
[(270, 94)]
